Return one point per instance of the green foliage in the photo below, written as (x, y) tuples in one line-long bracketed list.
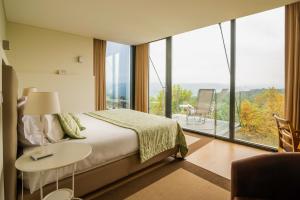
[(157, 103), (223, 105), (179, 96), (255, 110), (223, 111)]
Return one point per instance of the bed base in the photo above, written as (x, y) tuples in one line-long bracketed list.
[(95, 179)]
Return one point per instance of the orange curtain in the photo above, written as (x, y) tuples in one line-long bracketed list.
[(141, 77), (292, 64), (99, 73)]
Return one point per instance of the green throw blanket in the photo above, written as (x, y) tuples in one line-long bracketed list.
[(156, 134)]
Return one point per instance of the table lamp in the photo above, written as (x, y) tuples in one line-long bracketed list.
[(42, 103), (28, 90)]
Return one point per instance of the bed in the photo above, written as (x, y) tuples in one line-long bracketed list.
[(115, 152)]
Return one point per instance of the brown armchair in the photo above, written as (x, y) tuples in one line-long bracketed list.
[(269, 176)]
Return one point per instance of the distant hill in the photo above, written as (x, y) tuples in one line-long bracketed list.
[(156, 87), (194, 87)]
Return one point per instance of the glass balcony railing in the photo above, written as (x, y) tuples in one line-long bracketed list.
[(253, 121), (201, 109)]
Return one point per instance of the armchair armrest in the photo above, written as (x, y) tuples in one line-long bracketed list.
[(274, 176)]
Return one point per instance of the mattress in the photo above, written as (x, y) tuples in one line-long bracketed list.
[(109, 143)]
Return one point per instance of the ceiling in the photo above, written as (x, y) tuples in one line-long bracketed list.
[(131, 21)]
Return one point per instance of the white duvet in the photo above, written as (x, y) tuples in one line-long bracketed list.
[(109, 143)]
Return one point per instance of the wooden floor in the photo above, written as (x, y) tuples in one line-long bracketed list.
[(208, 158), (217, 156)]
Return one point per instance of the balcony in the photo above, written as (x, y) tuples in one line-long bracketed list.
[(254, 108), (193, 123)]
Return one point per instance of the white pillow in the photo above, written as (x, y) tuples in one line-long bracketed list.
[(52, 128), (34, 130), (21, 137)]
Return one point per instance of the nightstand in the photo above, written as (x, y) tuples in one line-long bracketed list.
[(65, 154)]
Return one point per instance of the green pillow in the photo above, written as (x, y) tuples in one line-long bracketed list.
[(69, 126), (77, 120)]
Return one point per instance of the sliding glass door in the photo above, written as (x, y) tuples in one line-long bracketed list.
[(201, 74), (259, 76), (118, 75)]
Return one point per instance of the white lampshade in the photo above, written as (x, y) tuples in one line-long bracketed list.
[(41, 103), (26, 91)]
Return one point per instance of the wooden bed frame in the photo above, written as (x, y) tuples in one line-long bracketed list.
[(86, 182)]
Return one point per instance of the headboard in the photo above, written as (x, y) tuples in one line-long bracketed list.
[(10, 96)]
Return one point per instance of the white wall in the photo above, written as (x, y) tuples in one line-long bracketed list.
[(2, 57), (76, 93), (37, 53)]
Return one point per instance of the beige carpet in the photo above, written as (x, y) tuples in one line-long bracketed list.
[(181, 184)]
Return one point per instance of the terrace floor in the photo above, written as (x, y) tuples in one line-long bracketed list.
[(222, 129), (193, 123)]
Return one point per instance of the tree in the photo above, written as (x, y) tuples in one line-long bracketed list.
[(179, 96), (256, 115), (157, 103), (251, 117)]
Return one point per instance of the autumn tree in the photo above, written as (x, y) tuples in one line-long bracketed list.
[(256, 116)]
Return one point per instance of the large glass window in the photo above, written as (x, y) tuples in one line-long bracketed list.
[(118, 75), (201, 72), (157, 77), (201, 77), (259, 76)]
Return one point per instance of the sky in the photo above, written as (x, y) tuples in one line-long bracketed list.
[(198, 56)]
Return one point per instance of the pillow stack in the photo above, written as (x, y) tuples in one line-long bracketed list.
[(30, 128), (52, 128), (37, 130)]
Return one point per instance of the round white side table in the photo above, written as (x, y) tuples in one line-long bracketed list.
[(64, 154)]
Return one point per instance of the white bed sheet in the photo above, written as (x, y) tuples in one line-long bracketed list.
[(109, 143)]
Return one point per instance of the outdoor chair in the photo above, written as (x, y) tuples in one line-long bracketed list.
[(203, 107)]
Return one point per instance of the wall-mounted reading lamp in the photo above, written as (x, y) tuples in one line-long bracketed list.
[(5, 44)]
